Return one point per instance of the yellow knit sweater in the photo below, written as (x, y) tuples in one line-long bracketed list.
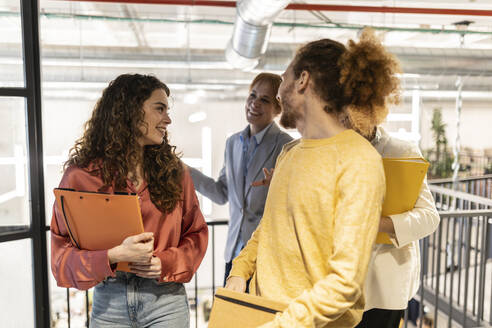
[(314, 242)]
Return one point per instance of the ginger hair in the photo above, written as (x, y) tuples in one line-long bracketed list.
[(356, 82)]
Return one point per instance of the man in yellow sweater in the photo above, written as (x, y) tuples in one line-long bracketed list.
[(321, 217)]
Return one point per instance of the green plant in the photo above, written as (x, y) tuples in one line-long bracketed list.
[(439, 157), (488, 169)]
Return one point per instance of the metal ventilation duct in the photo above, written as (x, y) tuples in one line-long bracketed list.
[(251, 31)]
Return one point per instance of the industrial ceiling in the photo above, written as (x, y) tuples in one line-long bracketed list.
[(87, 43)]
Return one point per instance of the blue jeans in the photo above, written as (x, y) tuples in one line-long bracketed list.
[(131, 301)]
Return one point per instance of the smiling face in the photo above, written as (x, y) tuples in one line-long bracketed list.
[(260, 106), (156, 118)]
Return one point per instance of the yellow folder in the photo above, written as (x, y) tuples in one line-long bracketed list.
[(231, 307), (97, 221), (404, 178)]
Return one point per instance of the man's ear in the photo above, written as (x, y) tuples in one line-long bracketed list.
[(302, 82)]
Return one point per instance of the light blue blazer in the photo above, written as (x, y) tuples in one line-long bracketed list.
[(246, 203)]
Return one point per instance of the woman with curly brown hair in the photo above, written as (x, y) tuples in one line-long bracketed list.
[(313, 246), (125, 149)]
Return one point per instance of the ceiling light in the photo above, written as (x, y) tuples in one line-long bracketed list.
[(197, 117), (450, 94)]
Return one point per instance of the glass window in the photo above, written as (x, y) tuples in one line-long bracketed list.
[(14, 190), (63, 122), (11, 57), (16, 309)]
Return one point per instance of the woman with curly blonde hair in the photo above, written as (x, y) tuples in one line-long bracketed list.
[(393, 276), (125, 149)]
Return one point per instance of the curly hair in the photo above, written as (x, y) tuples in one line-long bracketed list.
[(110, 142), (357, 82)]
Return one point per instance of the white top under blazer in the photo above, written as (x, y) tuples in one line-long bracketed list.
[(394, 270)]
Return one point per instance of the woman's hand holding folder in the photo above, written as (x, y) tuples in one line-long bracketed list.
[(150, 270), (136, 248), (386, 226)]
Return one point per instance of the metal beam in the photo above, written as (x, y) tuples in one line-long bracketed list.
[(13, 92), (317, 7), (462, 195), (466, 213), (15, 235), (30, 35)]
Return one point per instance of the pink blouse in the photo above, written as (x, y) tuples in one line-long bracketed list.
[(180, 237)]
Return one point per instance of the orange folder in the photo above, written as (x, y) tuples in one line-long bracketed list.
[(404, 178), (97, 221)]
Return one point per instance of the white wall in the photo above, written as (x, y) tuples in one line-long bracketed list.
[(475, 126)]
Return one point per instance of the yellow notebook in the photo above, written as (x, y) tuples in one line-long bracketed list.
[(404, 178), (251, 311)]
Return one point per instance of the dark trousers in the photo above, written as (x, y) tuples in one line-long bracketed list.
[(228, 268), (380, 318)]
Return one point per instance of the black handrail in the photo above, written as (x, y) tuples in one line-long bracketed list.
[(462, 179), (478, 185), (465, 235)]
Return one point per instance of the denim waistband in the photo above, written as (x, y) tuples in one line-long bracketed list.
[(132, 278)]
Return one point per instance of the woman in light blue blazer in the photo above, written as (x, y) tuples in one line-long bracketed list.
[(246, 153)]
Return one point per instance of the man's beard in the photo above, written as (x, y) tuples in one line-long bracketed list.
[(289, 115), (288, 119)]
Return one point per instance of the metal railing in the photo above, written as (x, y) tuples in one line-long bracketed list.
[(475, 164), (470, 164), (456, 260), (479, 185), (212, 225)]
